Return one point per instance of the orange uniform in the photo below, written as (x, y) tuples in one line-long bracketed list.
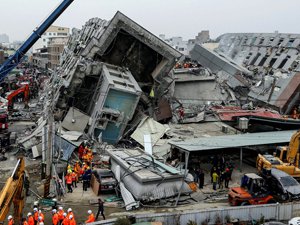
[(36, 216), (60, 214), (25, 223), (65, 221), (72, 221), (74, 176), (69, 214), (55, 219), (91, 218), (42, 216), (11, 222), (68, 178), (30, 220)]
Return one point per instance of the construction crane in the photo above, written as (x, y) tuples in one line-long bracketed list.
[(16, 58), (13, 192), (286, 158)]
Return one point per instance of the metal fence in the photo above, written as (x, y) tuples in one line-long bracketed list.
[(243, 213)]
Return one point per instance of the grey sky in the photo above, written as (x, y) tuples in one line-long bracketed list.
[(171, 17)]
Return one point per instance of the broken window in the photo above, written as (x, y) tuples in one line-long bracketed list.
[(253, 40), (262, 62), (283, 63), (273, 60), (254, 59), (290, 43), (261, 41), (280, 42)]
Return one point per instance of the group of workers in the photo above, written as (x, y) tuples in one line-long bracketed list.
[(85, 153), (59, 217), (187, 64), (78, 173)]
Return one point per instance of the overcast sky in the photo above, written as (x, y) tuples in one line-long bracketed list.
[(171, 17)]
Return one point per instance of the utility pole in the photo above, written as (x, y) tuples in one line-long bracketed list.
[(49, 154)]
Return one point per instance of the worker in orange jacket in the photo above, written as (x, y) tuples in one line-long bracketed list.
[(60, 214), (65, 220), (30, 219), (74, 179), (68, 179), (35, 215), (41, 216), (54, 217), (91, 217), (10, 220), (24, 221), (77, 168), (70, 212), (72, 220)]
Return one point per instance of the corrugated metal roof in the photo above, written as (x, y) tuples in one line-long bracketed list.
[(232, 141)]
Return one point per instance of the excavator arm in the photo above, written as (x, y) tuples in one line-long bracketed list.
[(13, 192), (24, 89), (293, 150)]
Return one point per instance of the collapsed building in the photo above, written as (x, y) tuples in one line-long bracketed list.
[(108, 69), (274, 60)]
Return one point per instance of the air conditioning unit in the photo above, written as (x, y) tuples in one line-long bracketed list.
[(243, 123)]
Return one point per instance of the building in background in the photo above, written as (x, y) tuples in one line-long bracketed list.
[(4, 38), (55, 48), (47, 51), (40, 58), (52, 32), (183, 46)]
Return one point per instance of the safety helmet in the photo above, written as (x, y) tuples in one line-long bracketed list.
[(69, 210), (60, 208), (54, 210), (40, 211), (71, 216), (89, 211), (35, 209), (64, 214), (9, 217), (41, 223), (40, 218), (29, 214)]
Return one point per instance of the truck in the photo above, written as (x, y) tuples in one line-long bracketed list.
[(286, 158)]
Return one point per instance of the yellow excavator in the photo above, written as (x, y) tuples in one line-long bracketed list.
[(13, 192), (286, 158)]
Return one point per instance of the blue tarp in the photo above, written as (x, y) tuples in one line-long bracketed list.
[(66, 146)]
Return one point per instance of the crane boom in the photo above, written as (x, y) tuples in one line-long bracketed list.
[(15, 59)]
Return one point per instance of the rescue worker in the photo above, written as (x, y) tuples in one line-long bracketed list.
[(77, 168), (70, 212), (91, 217), (72, 220), (74, 179), (68, 179), (54, 217), (40, 220), (41, 215), (65, 220), (30, 219), (227, 177), (60, 214), (35, 215), (100, 208), (215, 178), (10, 220), (24, 221)]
